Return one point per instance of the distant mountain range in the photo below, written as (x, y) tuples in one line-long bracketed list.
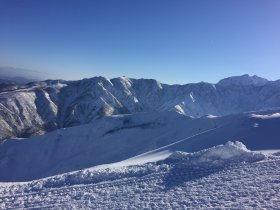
[(11, 75), (39, 107)]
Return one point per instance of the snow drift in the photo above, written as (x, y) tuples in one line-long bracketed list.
[(218, 157), (117, 138), (230, 153)]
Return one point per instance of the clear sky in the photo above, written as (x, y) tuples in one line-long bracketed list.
[(175, 41)]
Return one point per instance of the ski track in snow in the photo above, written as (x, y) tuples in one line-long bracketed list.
[(248, 185)]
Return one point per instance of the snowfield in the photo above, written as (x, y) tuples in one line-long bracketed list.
[(224, 176), (120, 137)]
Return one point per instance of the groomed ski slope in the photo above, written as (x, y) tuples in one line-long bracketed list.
[(224, 176)]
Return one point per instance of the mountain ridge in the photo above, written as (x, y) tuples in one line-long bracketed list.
[(40, 107)]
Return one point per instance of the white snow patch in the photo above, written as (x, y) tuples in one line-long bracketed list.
[(179, 109), (192, 98), (231, 152), (159, 84), (256, 125), (108, 80), (211, 116), (266, 116), (135, 100), (60, 85), (214, 86)]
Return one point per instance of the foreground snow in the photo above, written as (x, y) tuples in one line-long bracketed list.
[(228, 176)]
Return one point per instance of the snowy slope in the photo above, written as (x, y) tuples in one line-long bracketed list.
[(225, 176), (106, 140), (41, 107), (120, 137)]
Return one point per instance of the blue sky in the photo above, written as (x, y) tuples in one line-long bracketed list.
[(175, 41)]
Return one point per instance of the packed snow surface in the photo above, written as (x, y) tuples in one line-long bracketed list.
[(224, 176)]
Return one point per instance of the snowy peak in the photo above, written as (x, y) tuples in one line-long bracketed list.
[(78, 102), (243, 80)]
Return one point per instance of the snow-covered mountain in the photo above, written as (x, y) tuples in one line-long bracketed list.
[(40, 107), (243, 80), (116, 138), (106, 141)]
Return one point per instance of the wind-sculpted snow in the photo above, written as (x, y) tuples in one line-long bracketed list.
[(117, 138), (104, 141), (242, 179), (40, 107), (230, 153), (219, 157)]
